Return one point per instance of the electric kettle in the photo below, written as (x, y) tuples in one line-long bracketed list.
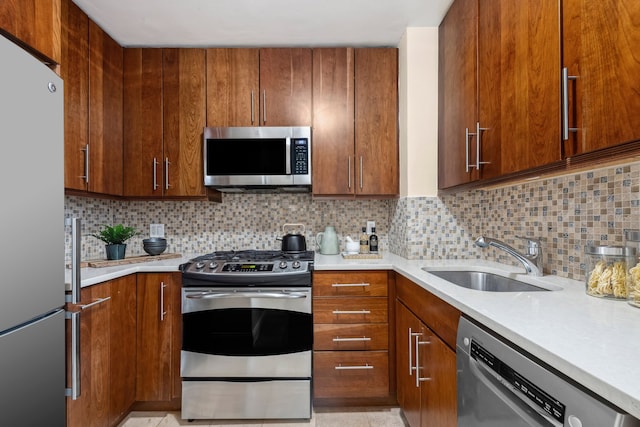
[(327, 241)]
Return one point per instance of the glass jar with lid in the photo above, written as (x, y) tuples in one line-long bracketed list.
[(607, 271), (632, 240)]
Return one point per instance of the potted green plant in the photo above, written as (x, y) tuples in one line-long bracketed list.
[(115, 238)]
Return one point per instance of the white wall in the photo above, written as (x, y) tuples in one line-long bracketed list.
[(418, 92)]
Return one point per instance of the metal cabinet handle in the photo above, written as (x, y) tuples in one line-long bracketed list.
[(565, 104), (467, 134), (354, 367), (74, 391), (349, 172), (361, 183), (155, 174), (410, 341), (166, 173), (357, 339), (253, 117), (96, 302), (162, 310), (348, 285), (419, 379), (478, 145), (86, 163), (264, 106), (76, 242), (351, 311)]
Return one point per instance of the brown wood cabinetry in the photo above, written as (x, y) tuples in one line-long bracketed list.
[(600, 40), (259, 87), (92, 73), (107, 354), (425, 356), (355, 122), (35, 23), (351, 329), (165, 107), (158, 337)]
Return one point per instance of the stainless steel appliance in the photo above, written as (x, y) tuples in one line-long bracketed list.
[(32, 295), (247, 335), (258, 158), (500, 385)]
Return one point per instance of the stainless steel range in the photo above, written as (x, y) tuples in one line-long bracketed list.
[(247, 335)]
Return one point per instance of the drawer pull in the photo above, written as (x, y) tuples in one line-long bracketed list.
[(346, 368), (351, 311), (349, 285), (338, 339)]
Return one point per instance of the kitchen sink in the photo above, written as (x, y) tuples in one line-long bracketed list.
[(483, 281)]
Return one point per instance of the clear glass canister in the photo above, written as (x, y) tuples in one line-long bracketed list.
[(632, 240), (607, 270)]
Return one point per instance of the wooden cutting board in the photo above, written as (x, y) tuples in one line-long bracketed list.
[(128, 260)]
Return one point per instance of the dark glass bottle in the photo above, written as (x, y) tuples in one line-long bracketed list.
[(373, 241)]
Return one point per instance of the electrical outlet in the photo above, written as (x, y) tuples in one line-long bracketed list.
[(370, 226), (156, 230)]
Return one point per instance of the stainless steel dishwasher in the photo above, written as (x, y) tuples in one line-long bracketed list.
[(500, 386)]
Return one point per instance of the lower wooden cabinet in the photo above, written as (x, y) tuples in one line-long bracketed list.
[(425, 359), (351, 336), (158, 337), (107, 354)]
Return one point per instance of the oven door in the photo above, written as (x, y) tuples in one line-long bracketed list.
[(246, 332)]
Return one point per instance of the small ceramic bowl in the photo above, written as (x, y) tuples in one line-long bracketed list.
[(352, 247)]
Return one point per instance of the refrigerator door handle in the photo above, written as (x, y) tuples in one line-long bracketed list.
[(76, 242), (74, 390)]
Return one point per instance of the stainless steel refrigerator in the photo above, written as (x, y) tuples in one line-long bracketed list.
[(32, 291)]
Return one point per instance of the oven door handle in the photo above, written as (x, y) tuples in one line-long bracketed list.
[(245, 294)]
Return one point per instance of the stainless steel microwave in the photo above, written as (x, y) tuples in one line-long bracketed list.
[(257, 158)]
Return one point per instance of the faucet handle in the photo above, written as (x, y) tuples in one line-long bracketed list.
[(533, 244)]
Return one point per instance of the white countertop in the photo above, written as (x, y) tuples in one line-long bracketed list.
[(594, 341)]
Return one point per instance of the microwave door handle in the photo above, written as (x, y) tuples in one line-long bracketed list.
[(288, 159)]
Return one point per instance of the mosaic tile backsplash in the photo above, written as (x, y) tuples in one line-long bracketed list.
[(566, 212)]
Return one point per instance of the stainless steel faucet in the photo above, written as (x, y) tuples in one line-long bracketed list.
[(532, 260)]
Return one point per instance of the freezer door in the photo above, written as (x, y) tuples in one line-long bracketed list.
[(32, 177), (32, 368)]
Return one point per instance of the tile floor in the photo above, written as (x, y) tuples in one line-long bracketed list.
[(321, 417)]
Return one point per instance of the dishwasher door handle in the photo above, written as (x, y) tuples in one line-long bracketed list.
[(510, 397)]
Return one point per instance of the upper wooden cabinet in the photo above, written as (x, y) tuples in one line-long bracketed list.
[(259, 87), (36, 23), (355, 122), (600, 42), (530, 114), (92, 72), (164, 110)]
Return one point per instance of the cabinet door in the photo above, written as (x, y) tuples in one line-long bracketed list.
[(519, 94), (184, 90), (74, 70), (36, 23), (285, 87), (93, 403), (232, 87), (600, 43), (438, 364), (105, 113), (122, 348), (143, 156), (458, 96), (376, 121), (407, 326), (154, 379), (333, 127)]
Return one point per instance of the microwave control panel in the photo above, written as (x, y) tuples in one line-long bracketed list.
[(300, 147)]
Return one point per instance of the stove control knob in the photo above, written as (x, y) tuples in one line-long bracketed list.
[(213, 265), (283, 264), (296, 264), (199, 265)]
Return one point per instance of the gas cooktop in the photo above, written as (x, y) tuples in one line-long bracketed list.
[(253, 267)]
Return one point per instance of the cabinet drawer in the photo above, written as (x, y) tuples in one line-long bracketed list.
[(350, 310), (373, 336), (365, 283), (339, 374)]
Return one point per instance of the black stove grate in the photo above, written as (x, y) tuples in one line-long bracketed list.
[(252, 255)]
